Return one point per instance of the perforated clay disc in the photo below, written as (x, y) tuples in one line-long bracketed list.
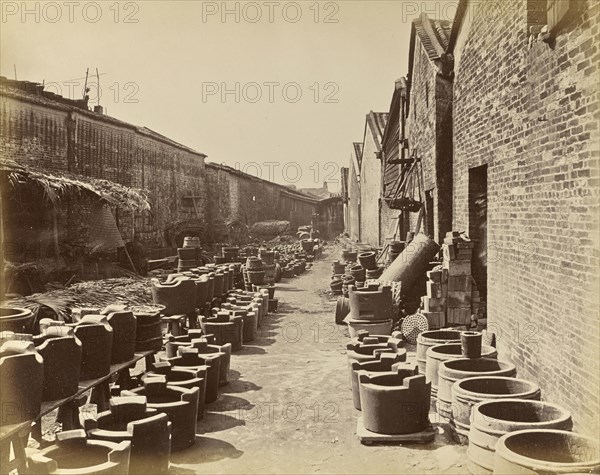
[(413, 325)]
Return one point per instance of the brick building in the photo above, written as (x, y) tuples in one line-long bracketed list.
[(428, 128), (352, 224), (526, 176), (48, 133), (370, 178)]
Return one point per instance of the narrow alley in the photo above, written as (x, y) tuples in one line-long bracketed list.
[(288, 407)]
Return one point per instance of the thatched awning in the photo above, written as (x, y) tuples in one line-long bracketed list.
[(57, 186)]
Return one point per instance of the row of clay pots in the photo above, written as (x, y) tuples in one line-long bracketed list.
[(69, 353)]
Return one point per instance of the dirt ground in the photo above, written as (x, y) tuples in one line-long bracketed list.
[(288, 407)]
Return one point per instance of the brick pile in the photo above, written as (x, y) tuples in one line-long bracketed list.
[(452, 294)]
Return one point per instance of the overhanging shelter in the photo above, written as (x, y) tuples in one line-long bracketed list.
[(32, 203)]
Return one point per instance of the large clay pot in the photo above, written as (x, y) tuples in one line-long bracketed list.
[(492, 419), (21, 377), (149, 431), (178, 297), (62, 352), (381, 365), (454, 370), (450, 351), (184, 378), (148, 334), (370, 303), (368, 260), (395, 402), (224, 328), (470, 391), (223, 352), (17, 320), (96, 336), (190, 359), (547, 451), (431, 338), (124, 325), (179, 404), (73, 454)]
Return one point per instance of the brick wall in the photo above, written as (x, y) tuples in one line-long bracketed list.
[(530, 112), (428, 129), (353, 224), (370, 190), (55, 137), (233, 195)]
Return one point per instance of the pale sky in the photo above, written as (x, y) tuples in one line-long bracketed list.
[(165, 65)]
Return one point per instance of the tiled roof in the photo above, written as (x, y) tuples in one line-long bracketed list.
[(34, 93), (376, 122), (357, 156), (434, 34)]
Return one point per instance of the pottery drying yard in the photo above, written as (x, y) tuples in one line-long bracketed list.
[(387, 260), (288, 407)]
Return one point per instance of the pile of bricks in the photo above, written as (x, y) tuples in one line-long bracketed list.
[(452, 295)]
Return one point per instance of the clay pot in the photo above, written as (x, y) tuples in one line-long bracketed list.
[(73, 453), (179, 404), (187, 254), (431, 338), (17, 320), (368, 260), (256, 277), (454, 370), (468, 392), (370, 303), (546, 451), (223, 352), (349, 256), (383, 394), (21, 374), (148, 431), (190, 358), (230, 253), (338, 268), (471, 344), (178, 297), (96, 336), (358, 272), (184, 378), (450, 351), (62, 353), (124, 325), (374, 273), (492, 419), (383, 364), (254, 264)]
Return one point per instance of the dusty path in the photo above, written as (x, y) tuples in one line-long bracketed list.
[(288, 408)]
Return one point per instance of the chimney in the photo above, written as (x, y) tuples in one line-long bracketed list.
[(325, 185), (99, 109)]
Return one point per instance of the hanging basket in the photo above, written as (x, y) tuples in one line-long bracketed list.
[(404, 204)]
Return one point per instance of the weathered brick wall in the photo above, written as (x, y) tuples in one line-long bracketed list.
[(428, 131), (353, 225), (233, 195), (370, 192), (55, 138), (531, 114)]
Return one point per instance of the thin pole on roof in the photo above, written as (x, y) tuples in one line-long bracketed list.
[(98, 79), (87, 71), (15, 70)]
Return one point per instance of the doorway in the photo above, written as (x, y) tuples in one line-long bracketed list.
[(478, 202)]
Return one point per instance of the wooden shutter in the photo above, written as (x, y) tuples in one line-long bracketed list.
[(557, 10)]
